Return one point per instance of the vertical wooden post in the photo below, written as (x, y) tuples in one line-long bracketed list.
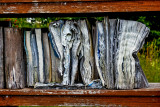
[(14, 63), (1, 59)]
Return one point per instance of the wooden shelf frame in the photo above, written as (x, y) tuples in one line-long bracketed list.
[(152, 90), (49, 97), (137, 97), (76, 6)]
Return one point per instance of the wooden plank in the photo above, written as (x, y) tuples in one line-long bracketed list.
[(37, 1), (14, 63), (78, 101), (152, 91), (80, 7), (47, 58), (1, 59)]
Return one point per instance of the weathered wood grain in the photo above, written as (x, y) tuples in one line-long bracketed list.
[(40, 55), (14, 62), (135, 97), (55, 75), (57, 54), (35, 60), (87, 58), (104, 53), (47, 58), (2, 81), (128, 73), (67, 42), (100, 52), (75, 52), (152, 91), (55, 37), (37, 1), (78, 101), (117, 45), (80, 7), (30, 72)]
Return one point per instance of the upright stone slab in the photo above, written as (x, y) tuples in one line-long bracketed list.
[(1, 59), (14, 62)]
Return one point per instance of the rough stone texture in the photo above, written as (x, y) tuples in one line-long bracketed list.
[(14, 62), (1, 59)]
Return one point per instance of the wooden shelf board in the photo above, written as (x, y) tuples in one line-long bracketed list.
[(80, 7), (37, 1), (153, 90), (47, 97)]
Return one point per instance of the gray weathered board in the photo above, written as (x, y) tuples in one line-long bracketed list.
[(14, 62), (47, 58), (1, 59)]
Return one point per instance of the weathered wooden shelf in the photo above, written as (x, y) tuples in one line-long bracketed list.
[(77, 6), (137, 97)]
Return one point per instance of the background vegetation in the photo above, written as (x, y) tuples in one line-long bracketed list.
[(149, 55)]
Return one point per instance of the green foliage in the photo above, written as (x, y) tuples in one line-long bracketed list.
[(150, 61)]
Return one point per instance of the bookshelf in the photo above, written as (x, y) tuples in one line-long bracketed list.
[(30, 96)]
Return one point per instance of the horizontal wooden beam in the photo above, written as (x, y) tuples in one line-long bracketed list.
[(48, 97), (80, 7), (153, 90), (79, 101), (38, 1)]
